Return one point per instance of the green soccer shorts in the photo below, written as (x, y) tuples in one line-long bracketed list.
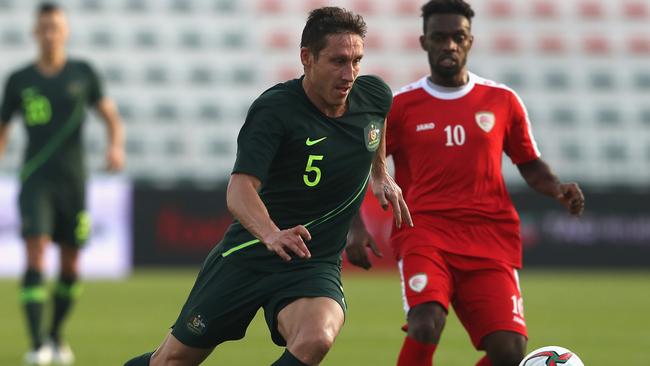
[(54, 210), (226, 297)]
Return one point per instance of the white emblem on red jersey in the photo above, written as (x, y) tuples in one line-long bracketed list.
[(485, 120), (418, 282)]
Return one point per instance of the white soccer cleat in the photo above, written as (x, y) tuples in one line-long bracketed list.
[(39, 357), (62, 355)]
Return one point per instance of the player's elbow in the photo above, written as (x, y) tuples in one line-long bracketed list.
[(231, 203)]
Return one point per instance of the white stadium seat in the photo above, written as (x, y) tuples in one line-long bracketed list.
[(184, 72)]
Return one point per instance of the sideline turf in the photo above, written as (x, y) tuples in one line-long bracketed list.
[(603, 316)]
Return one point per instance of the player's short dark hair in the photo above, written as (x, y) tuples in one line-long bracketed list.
[(329, 20), (458, 7), (47, 8)]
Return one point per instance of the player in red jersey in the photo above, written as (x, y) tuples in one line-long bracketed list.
[(447, 133)]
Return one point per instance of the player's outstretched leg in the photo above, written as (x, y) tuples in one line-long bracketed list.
[(504, 348), (425, 324), (309, 326)]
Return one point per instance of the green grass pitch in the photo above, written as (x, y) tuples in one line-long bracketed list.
[(603, 316)]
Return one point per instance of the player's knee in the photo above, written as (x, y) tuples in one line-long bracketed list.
[(424, 332), (505, 348), (425, 323), (312, 348), (36, 258)]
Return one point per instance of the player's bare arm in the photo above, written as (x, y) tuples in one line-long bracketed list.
[(539, 176), (385, 188), (358, 240), (4, 134), (245, 205), (115, 156)]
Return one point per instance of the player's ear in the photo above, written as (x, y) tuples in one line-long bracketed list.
[(306, 56), (423, 40)]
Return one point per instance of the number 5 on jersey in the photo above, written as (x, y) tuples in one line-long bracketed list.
[(310, 168)]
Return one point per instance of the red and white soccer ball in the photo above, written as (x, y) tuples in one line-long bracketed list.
[(551, 356)]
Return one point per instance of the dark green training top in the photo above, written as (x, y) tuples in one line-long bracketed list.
[(53, 109), (314, 169)]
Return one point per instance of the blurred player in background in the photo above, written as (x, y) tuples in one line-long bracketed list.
[(51, 95), (303, 164), (447, 133)]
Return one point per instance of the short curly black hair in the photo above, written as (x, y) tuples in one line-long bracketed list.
[(329, 20), (47, 7), (459, 7)]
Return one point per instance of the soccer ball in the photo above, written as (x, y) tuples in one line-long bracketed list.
[(551, 356)]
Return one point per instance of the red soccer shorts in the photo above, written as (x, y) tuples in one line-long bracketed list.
[(484, 292)]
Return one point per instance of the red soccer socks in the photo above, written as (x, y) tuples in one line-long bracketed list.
[(414, 353)]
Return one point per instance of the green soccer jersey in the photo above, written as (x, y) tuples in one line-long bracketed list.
[(314, 169), (53, 109)]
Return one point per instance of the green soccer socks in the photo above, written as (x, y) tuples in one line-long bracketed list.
[(65, 293), (32, 296)]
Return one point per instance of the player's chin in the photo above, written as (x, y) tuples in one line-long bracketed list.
[(338, 98), (447, 71)]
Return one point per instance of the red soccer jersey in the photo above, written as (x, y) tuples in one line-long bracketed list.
[(447, 145)]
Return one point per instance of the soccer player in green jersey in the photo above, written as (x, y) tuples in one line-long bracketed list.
[(51, 95), (305, 155)]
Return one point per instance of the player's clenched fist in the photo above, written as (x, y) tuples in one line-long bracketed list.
[(289, 240), (572, 198)]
